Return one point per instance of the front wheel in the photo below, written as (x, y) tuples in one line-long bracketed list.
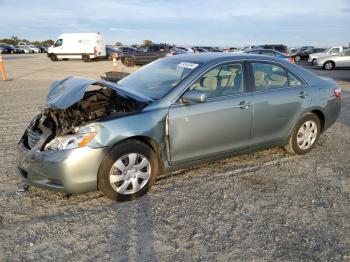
[(297, 58), (53, 57), (304, 135), (86, 58), (128, 171)]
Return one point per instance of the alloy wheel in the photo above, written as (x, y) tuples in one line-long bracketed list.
[(307, 135), (130, 173), (328, 66)]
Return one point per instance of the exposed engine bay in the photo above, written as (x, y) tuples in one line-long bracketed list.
[(98, 102), (95, 105)]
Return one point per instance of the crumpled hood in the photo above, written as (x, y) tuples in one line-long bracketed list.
[(66, 92)]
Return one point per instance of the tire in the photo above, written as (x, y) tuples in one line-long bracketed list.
[(329, 65), (297, 58), (53, 57), (129, 61), (118, 159), (296, 144), (86, 58)]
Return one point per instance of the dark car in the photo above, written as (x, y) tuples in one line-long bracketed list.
[(271, 52), (304, 54), (301, 49), (209, 48), (42, 48), (177, 51), (110, 50), (10, 49), (280, 48), (200, 50), (120, 50), (3, 50), (145, 54)]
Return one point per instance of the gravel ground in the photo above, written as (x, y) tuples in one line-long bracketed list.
[(263, 206)]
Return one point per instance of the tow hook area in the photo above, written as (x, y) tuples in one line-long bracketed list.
[(22, 189)]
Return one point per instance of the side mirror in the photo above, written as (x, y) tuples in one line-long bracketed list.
[(194, 96)]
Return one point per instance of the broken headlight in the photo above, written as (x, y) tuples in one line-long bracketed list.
[(70, 141)]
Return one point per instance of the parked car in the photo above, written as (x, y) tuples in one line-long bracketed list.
[(335, 50), (304, 54), (177, 51), (271, 52), (3, 50), (208, 48), (246, 49), (332, 62), (110, 50), (32, 48), (118, 138), (187, 49), (25, 49), (200, 50), (145, 55), (42, 48), (123, 50), (280, 48), (301, 49), (10, 49), (86, 46)]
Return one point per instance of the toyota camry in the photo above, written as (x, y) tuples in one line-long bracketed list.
[(174, 113)]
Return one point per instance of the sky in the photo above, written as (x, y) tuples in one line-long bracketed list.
[(224, 23)]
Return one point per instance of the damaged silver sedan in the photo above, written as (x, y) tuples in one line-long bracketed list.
[(173, 113)]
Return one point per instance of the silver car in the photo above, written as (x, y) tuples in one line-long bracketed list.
[(331, 62), (174, 113)]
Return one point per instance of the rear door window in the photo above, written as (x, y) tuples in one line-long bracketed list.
[(269, 76)]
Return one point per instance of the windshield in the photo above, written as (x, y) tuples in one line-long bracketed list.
[(157, 79)]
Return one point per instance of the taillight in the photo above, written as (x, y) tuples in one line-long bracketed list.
[(291, 59), (95, 50), (337, 92)]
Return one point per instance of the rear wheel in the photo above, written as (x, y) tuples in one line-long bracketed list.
[(297, 58), (53, 57), (86, 58), (305, 135), (128, 171), (129, 61), (329, 65)]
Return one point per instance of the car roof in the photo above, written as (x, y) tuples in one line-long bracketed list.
[(203, 58)]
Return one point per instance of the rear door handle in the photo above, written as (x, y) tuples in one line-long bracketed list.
[(303, 94), (243, 105)]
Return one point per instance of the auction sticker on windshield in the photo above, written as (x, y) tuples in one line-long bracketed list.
[(188, 65)]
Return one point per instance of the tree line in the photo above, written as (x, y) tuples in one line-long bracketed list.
[(14, 40)]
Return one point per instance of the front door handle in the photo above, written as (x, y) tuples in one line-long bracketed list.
[(303, 94), (243, 105)]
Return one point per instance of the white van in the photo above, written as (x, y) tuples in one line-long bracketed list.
[(84, 46)]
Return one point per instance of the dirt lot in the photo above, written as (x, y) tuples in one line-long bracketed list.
[(263, 206)]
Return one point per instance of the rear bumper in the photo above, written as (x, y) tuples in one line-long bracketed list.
[(70, 171), (332, 112)]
